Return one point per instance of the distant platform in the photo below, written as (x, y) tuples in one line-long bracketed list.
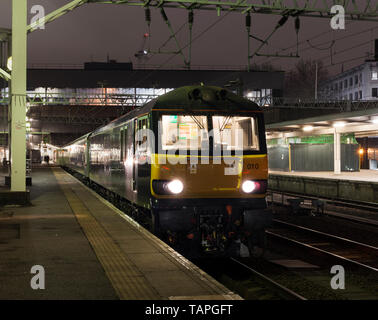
[(356, 186), (362, 175), (90, 250)]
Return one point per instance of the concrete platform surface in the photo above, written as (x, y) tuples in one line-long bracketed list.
[(89, 250)]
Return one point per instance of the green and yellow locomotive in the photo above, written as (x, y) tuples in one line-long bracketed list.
[(194, 160)]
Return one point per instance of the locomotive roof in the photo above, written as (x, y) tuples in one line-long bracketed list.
[(188, 98)]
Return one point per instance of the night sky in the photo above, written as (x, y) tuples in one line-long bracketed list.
[(93, 31)]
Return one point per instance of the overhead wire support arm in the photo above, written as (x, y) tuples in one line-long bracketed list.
[(165, 18), (277, 55), (190, 21), (248, 26), (56, 14), (5, 75), (313, 8), (280, 23)]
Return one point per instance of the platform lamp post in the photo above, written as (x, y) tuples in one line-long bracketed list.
[(18, 96)]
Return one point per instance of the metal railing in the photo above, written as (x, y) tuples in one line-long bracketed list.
[(135, 100), (337, 105), (34, 99)]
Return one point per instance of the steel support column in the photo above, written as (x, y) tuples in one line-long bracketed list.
[(18, 96), (337, 152)]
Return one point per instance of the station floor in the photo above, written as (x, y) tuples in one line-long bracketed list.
[(89, 250), (362, 175)]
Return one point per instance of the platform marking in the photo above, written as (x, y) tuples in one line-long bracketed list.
[(126, 279)]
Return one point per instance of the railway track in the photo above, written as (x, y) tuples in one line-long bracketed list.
[(333, 247), (332, 207), (268, 284), (244, 276)]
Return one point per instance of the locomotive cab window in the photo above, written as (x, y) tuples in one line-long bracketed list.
[(184, 132), (235, 133)]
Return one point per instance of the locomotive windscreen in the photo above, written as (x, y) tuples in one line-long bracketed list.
[(235, 133), (189, 132), (184, 132)]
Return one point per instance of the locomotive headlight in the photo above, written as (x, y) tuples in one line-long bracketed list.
[(248, 186), (175, 186)]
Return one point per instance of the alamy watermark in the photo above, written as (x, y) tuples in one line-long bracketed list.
[(37, 282), (338, 280), (38, 20), (338, 20), (174, 150)]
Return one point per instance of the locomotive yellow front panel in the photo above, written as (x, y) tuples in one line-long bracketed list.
[(210, 177)]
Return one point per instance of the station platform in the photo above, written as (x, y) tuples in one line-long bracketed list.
[(362, 175), (357, 186), (90, 250)]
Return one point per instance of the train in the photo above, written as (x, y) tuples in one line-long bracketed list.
[(192, 162)]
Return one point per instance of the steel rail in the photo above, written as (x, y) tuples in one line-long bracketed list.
[(367, 206), (323, 251), (280, 287)]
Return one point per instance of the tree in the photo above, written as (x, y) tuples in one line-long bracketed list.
[(300, 82)]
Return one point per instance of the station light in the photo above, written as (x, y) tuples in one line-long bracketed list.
[(308, 128), (10, 63), (361, 151), (339, 124), (375, 120)]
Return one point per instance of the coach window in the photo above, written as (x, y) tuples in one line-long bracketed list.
[(142, 135), (123, 142)]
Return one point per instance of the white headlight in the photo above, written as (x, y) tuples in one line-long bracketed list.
[(248, 186), (175, 186)]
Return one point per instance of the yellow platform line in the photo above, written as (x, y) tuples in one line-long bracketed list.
[(126, 279)]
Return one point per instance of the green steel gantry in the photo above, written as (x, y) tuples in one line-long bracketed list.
[(310, 8)]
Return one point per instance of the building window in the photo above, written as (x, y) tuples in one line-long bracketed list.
[(350, 96), (346, 83), (374, 92), (356, 95), (350, 82), (341, 85), (360, 78), (356, 80), (374, 75), (360, 92)]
